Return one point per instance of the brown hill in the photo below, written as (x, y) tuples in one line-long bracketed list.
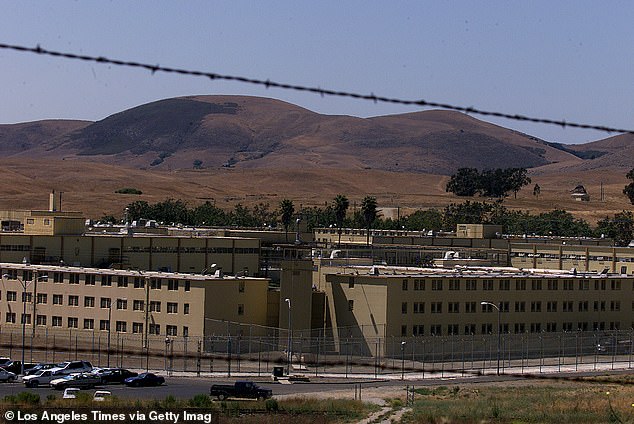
[(250, 132)]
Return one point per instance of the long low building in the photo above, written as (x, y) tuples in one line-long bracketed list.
[(143, 303), (397, 302)]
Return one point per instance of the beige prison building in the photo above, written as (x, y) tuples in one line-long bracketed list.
[(146, 304), (373, 302)]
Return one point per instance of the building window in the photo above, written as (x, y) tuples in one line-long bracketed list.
[(155, 283), (73, 300), (122, 281), (40, 320), (122, 303), (89, 279), (139, 283), (12, 296), (615, 284), (436, 330), (404, 285), (453, 308), (185, 331), (471, 284), (520, 307), (536, 284), (104, 325), (42, 298), (566, 305), (504, 306), (404, 307), (58, 277), (10, 317), (418, 330), (137, 327), (615, 305), (73, 322), (470, 307), (419, 307), (552, 306), (187, 285), (536, 306), (26, 319), (186, 309), (121, 326), (89, 324), (436, 284), (520, 285), (73, 278), (404, 330), (552, 285), (155, 306), (436, 307), (172, 308), (350, 305), (58, 299), (171, 330), (487, 328), (138, 305), (454, 284), (505, 284), (57, 321), (536, 327), (27, 297), (106, 280), (520, 328), (452, 329), (568, 285), (105, 302), (240, 309), (487, 285), (89, 302), (419, 284), (173, 285), (469, 329), (241, 286), (582, 306), (155, 329), (551, 327)]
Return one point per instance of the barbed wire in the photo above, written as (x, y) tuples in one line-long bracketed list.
[(317, 90)]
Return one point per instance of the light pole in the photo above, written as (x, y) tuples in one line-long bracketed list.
[(23, 318), (109, 329), (289, 354), (499, 331), (403, 360)]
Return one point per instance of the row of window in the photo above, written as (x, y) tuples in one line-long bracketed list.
[(505, 285), (89, 324), (104, 280), (104, 302), (518, 328), (520, 306)]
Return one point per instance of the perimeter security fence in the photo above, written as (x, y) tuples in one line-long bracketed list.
[(244, 349)]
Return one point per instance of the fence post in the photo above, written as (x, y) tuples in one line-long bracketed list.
[(198, 357)]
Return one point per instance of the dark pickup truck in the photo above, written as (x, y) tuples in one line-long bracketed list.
[(241, 389)]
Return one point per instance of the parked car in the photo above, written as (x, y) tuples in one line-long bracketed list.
[(241, 389), (16, 367), (144, 379), (80, 381), (72, 367), (7, 376), (39, 367), (40, 378), (4, 361), (101, 395), (70, 393), (115, 375)]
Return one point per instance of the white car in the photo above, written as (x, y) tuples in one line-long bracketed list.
[(41, 378), (101, 395), (7, 376), (70, 393), (72, 367)]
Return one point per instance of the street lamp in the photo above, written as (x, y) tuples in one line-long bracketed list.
[(289, 356), (24, 286), (499, 331), (403, 360)]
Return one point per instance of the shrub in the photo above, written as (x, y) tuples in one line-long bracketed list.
[(128, 190), (271, 405)]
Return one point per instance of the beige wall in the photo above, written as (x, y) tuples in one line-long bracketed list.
[(296, 284)]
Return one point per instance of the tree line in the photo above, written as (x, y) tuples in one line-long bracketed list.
[(336, 214), (489, 183)]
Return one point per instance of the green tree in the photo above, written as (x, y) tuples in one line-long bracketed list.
[(620, 228), (537, 191), (208, 214), (370, 214), (287, 210), (430, 219), (465, 182), (629, 189), (340, 207), (140, 209), (518, 178)]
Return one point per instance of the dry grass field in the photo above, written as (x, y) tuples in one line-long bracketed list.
[(90, 187)]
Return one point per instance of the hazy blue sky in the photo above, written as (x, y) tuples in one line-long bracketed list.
[(571, 60)]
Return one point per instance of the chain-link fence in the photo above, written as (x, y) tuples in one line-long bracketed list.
[(313, 353)]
